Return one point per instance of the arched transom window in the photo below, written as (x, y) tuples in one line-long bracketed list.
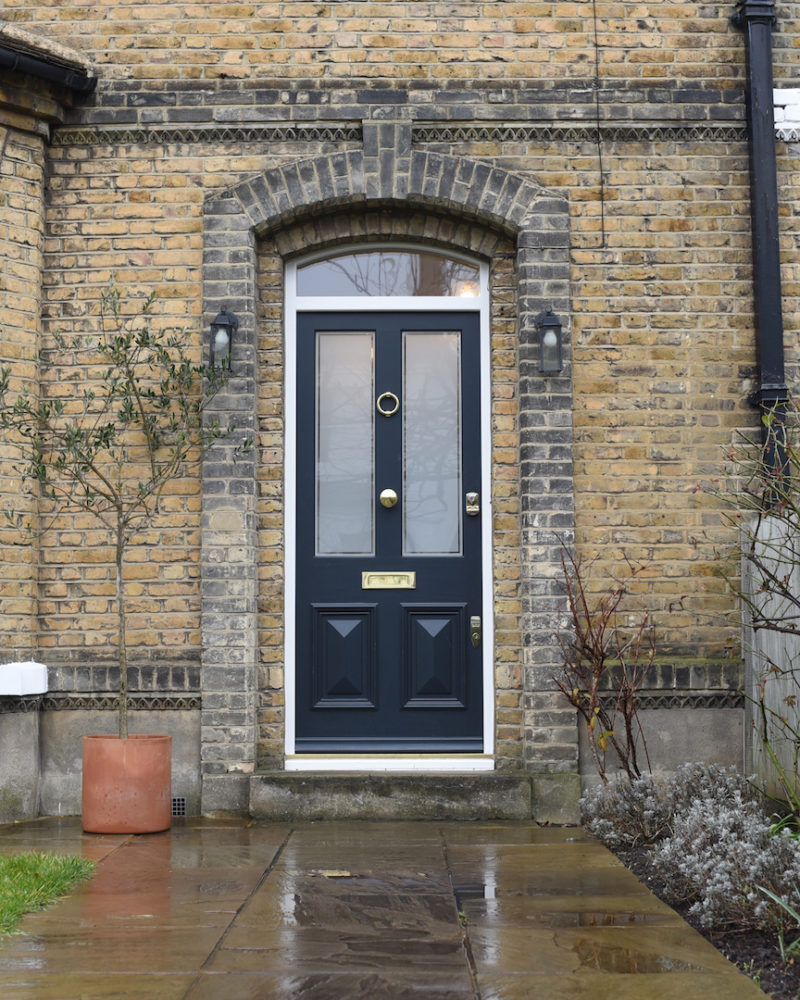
[(389, 272)]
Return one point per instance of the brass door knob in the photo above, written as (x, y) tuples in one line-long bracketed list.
[(388, 498)]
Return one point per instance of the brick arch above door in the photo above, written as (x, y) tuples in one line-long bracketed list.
[(385, 173)]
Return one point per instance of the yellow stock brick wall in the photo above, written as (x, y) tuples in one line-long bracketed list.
[(22, 170), (789, 226), (393, 40), (661, 324)]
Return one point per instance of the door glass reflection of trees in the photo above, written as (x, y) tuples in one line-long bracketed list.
[(388, 273), (345, 443), (432, 443)]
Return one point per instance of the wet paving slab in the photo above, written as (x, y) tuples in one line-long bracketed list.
[(620, 987), (319, 911), (102, 986), (332, 986), (338, 900)]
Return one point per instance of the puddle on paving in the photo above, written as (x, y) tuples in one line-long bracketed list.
[(390, 884), (613, 958), (474, 890), (554, 918), (412, 945), (559, 918)]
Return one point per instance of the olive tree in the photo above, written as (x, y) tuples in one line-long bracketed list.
[(132, 419)]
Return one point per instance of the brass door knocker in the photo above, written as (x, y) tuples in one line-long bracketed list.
[(394, 403)]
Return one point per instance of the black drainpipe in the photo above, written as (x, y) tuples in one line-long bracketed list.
[(18, 61), (756, 18)]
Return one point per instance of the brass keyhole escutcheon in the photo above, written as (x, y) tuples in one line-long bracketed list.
[(388, 498), (475, 630), (388, 404)]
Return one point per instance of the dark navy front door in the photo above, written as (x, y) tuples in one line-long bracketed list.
[(388, 533)]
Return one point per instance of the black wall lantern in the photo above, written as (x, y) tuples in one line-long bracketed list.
[(222, 330), (549, 327)]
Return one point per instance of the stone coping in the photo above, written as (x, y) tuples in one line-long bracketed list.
[(39, 46)]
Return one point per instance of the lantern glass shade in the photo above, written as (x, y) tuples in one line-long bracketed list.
[(222, 346), (222, 330), (550, 357)]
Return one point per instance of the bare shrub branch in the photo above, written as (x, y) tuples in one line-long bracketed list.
[(605, 666)]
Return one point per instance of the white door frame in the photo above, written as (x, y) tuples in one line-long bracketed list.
[(294, 304)]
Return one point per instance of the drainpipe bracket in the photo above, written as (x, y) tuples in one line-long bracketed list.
[(768, 396), (753, 10)]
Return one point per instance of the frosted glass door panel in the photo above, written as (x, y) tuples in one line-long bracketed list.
[(345, 444), (432, 444)]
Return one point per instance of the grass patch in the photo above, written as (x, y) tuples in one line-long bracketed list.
[(31, 881)]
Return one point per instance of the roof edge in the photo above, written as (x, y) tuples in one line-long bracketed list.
[(42, 57)]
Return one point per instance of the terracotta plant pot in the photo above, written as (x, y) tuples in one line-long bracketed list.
[(127, 784)]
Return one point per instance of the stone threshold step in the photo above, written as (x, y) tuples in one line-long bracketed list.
[(301, 796)]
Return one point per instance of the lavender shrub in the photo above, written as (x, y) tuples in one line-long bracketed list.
[(714, 844)]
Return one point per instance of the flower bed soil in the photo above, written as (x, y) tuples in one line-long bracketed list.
[(756, 953)]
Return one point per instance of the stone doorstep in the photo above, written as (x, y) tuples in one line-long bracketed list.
[(304, 796)]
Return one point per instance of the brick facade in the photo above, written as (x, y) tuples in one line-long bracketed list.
[(595, 154), (22, 166)]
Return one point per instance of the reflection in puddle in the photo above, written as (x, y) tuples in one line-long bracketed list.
[(600, 918), (486, 889), (476, 890), (496, 905), (611, 958)]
